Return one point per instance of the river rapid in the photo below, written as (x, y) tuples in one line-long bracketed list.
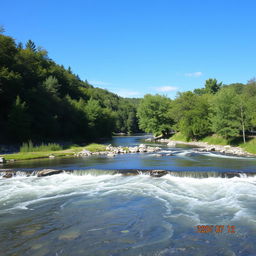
[(205, 205)]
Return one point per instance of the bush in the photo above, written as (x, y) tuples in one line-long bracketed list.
[(29, 147)]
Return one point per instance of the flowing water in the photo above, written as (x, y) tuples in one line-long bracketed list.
[(205, 205)]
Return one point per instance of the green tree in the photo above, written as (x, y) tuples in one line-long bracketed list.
[(212, 86), (226, 113), (154, 114), (30, 45), (51, 84), (18, 121), (191, 114)]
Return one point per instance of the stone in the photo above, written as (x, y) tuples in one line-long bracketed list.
[(48, 172), (69, 235), (133, 149), (158, 173), (8, 175), (111, 154), (171, 144), (2, 160)]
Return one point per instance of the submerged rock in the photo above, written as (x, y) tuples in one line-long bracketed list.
[(69, 235), (48, 172)]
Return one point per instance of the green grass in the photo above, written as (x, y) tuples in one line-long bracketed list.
[(35, 155), (216, 140), (29, 147), (179, 136), (69, 151), (249, 146), (95, 147)]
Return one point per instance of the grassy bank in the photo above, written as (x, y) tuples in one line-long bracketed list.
[(28, 152), (249, 146)]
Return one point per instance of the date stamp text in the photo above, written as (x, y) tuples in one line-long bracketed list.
[(215, 229)]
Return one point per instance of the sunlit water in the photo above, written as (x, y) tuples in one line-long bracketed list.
[(104, 213)]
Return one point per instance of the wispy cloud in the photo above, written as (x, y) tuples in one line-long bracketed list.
[(167, 88), (194, 74), (127, 93), (99, 83)]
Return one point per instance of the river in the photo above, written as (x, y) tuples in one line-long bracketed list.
[(193, 210)]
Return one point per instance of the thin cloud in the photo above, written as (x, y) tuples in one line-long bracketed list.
[(167, 89), (99, 83), (195, 74)]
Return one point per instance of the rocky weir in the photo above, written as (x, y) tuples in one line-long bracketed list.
[(124, 172)]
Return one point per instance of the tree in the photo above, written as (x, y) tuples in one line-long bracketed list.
[(51, 85), (30, 45), (2, 30), (154, 114), (18, 121), (226, 113), (212, 86), (191, 114)]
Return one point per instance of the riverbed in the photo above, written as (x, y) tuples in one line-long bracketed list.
[(92, 210)]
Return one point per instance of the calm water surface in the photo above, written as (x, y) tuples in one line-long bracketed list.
[(93, 212)]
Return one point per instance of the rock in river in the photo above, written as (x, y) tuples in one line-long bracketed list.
[(8, 175), (158, 173), (48, 172), (2, 160)]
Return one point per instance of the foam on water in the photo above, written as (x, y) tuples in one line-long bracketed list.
[(185, 197), (139, 212)]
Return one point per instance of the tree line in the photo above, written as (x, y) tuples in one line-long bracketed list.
[(43, 101), (226, 110)]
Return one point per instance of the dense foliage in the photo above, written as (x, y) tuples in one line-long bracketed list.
[(42, 101), (154, 114), (225, 110)]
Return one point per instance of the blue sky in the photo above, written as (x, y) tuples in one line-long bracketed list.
[(134, 47)]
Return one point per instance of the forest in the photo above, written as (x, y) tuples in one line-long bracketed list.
[(225, 111), (42, 101)]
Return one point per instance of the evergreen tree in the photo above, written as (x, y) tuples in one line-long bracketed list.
[(30, 45)]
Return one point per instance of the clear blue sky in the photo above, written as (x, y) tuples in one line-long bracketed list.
[(133, 47)]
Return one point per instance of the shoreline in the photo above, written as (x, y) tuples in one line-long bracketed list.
[(90, 150), (205, 147)]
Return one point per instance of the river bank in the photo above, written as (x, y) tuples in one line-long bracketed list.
[(206, 147), (92, 149)]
